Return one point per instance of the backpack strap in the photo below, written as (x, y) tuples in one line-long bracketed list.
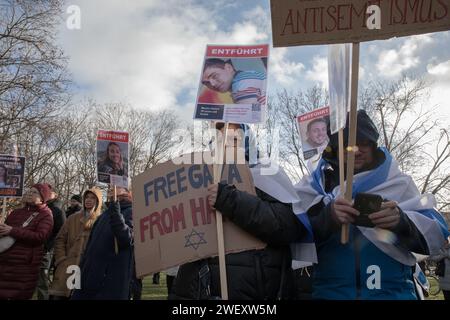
[(30, 218)]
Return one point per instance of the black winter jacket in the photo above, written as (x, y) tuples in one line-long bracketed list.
[(105, 274), (58, 220), (252, 274)]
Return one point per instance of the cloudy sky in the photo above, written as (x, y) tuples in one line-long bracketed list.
[(148, 53)]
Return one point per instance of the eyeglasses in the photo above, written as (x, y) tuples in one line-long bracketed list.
[(31, 191)]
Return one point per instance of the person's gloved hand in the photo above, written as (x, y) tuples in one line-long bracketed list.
[(114, 207), (212, 194)]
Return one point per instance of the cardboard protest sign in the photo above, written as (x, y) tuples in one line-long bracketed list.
[(338, 85), (112, 157), (12, 172), (312, 127), (173, 222), (308, 22), (233, 84)]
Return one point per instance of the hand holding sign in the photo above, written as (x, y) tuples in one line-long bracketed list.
[(212, 194)]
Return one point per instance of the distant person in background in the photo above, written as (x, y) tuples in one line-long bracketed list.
[(75, 205), (3, 176), (30, 226), (155, 279), (55, 205), (443, 269), (113, 162), (171, 274)]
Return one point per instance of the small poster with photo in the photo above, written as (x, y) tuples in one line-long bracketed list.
[(312, 128), (233, 84), (12, 172), (112, 158)]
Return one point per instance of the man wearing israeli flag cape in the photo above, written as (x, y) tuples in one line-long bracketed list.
[(253, 274), (376, 263)]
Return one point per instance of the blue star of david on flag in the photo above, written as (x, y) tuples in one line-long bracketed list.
[(194, 239)]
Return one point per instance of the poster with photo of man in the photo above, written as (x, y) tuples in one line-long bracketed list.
[(233, 84), (312, 127), (12, 172), (112, 157)]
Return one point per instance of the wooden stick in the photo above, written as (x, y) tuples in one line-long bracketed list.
[(116, 245), (218, 164), (352, 132), (344, 228)]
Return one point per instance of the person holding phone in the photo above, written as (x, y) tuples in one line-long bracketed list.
[(377, 261)]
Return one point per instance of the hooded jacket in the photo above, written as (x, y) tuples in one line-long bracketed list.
[(71, 242)]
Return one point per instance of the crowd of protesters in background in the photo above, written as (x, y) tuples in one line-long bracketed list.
[(42, 246)]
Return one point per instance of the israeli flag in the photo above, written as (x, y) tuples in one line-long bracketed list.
[(389, 182)]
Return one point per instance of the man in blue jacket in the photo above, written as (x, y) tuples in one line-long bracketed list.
[(107, 263), (377, 262)]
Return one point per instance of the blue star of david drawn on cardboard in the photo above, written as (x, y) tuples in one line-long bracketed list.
[(194, 239)]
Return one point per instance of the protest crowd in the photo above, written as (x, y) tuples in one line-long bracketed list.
[(354, 227), (98, 237)]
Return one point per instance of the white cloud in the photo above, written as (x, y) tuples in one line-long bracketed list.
[(439, 76), (440, 70), (319, 71), (393, 62), (285, 72), (247, 32), (147, 53)]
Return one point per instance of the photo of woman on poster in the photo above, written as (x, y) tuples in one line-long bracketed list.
[(113, 161), (14, 182), (3, 176)]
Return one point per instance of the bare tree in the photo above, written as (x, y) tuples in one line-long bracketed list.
[(150, 132), (437, 179), (409, 131), (283, 110), (33, 77)]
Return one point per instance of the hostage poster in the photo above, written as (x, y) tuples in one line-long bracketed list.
[(173, 222), (312, 127), (233, 84), (112, 157), (12, 172)]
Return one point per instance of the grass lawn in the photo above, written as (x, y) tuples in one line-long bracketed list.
[(440, 296), (159, 291), (152, 291)]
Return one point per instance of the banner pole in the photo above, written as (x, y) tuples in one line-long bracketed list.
[(218, 163), (116, 245), (344, 228), (351, 146)]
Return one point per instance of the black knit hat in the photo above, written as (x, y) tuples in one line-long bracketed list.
[(365, 130), (76, 197)]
